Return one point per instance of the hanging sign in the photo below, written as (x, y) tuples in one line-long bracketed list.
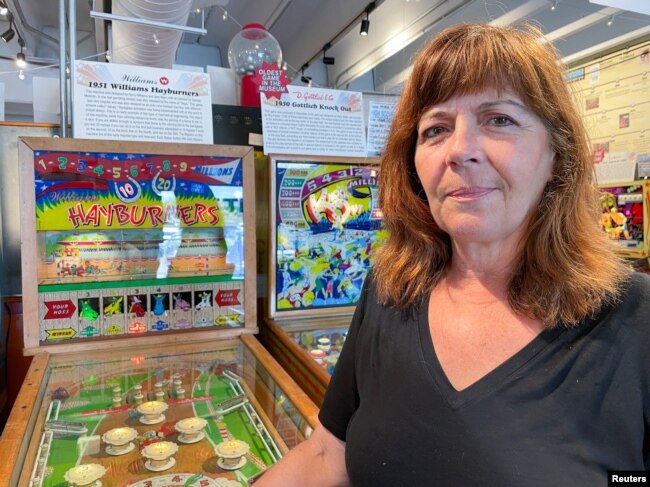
[(271, 80), (313, 121), (124, 102), (380, 116)]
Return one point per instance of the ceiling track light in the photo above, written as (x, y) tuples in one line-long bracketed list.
[(303, 78), (554, 6), (365, 23), (224, 17), (610, 21), (21, 62), (3, 9), (365, 26), (8, 34), (329, 60)]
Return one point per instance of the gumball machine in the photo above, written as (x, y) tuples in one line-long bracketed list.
[(252, 47)]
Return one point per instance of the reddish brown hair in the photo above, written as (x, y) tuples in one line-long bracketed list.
[(566, 269)]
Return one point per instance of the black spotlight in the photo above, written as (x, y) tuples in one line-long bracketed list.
[(8, 34), (327, 59), (365, 26)]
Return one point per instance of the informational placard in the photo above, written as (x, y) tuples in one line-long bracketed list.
[(616, 167), (313, 121), (124, 102), (643, 165), (380, 116), (613, 94)]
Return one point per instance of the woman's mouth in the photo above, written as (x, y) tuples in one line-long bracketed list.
[(474, 192)]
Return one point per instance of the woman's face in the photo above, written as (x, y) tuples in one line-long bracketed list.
[(483, 161)]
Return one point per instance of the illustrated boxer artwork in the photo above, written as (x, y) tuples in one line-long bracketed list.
[(327, 231)]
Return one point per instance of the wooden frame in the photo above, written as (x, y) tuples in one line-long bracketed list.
[(28, 146), (275, 335), (297, 209)]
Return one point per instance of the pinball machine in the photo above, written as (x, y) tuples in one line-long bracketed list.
[(325, 227), (139, 303), (625, 219)]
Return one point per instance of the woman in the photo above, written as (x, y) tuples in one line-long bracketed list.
[(499, 341)]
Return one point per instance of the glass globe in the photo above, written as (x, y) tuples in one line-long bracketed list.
[(252, 47)]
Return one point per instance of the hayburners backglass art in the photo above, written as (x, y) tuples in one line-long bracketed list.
[(134, 239), (326, 227)]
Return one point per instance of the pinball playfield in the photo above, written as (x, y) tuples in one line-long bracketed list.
[(308, 348), (195, 418)]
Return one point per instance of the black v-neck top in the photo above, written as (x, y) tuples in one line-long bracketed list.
[(571, 405)]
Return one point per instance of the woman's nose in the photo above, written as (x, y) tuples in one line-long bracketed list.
[(463, 145)]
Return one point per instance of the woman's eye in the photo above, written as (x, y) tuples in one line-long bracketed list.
[(432, 132), (501, 120)]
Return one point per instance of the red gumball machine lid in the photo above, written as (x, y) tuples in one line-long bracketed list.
[(252, 34), (253, 26)]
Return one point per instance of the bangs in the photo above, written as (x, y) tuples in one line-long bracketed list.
[(464, 63)]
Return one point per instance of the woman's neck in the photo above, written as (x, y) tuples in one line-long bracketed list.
[(478, 280)]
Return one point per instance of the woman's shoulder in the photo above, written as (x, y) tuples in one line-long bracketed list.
[(633, 310), (371, 309), (639, 288)]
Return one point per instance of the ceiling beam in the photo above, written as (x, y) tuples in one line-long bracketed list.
[(604, 46), (582, 24), (528, 9)]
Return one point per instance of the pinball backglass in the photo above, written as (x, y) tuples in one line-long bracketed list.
[(326, 226), (625, 216), (325, 229), (135, 240)]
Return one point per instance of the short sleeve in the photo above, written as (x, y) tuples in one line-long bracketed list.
[(342, 395)]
